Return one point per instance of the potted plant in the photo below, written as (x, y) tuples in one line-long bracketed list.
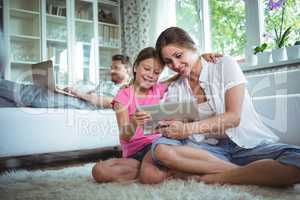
[(281, 36), (263, 56), (293, 52)]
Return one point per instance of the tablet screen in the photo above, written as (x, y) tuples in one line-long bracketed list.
[(186, 111)]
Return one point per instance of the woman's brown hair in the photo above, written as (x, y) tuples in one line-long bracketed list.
[(176, 36), (146, 53)]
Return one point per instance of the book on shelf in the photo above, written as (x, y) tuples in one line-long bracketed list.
[(111, 33), (115, 36), (56, 10), (101, 33), (106, 33)]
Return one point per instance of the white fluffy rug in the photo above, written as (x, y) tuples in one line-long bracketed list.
[(76, 183)]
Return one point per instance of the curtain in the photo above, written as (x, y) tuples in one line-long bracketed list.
[(163, 15), (135, 26), (2, 55)]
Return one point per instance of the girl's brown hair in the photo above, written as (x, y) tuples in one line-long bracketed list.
[(146, 53), (176, 36)]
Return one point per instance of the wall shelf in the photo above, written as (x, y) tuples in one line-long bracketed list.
[(108, 24), (24, 38), (56, 41), (54, 18), (22, 12), (107, 2), (20, 63), (84, 21)]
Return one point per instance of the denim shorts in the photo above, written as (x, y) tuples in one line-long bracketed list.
[(141, 153), (227, 150)]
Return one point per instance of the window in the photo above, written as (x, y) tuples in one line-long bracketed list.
[(227, 24), (291, 18), (228, 31), (188, 17)]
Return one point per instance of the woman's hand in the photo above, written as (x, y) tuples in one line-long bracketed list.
[(139, 118), (211, 57), (173, 129)]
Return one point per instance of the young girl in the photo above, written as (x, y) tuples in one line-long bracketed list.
[(145, 90), (135, 145)]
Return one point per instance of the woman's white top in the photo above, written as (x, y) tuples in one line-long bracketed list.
[(216, 79)]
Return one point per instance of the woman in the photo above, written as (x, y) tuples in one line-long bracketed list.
[(234, 133)]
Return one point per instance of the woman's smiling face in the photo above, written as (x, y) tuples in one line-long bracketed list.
[(179, 59), (147, 72)]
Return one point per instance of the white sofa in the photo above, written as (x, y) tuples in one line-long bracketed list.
[(26, 131)]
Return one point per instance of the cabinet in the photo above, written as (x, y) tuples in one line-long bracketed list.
[(55, 31), (79, 36)]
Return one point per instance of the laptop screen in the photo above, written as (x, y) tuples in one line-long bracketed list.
[(42, 75)]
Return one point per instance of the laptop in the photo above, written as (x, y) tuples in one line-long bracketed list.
[(43, 76)]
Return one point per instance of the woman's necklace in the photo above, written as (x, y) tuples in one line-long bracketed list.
[(194, 83)]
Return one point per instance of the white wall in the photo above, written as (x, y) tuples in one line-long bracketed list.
[(276, 97)]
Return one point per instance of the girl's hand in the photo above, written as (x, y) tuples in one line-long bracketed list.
[(139, 118), (211, 57), (173, 129)]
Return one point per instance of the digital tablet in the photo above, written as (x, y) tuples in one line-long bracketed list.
[(186, 111)]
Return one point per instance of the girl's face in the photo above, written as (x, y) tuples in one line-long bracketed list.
[(147, 73), (179, 59)]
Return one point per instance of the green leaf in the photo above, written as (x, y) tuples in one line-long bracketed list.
[(264, 46), (276, 34), (257, 49), (260, 48), (282, 41)]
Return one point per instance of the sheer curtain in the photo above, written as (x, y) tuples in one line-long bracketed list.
[(163, 15), (135, 26), (143, 21), (2, 55)]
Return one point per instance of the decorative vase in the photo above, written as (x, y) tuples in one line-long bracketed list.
[(279, 55), (293, 52), (264, 57), (250, 58)]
